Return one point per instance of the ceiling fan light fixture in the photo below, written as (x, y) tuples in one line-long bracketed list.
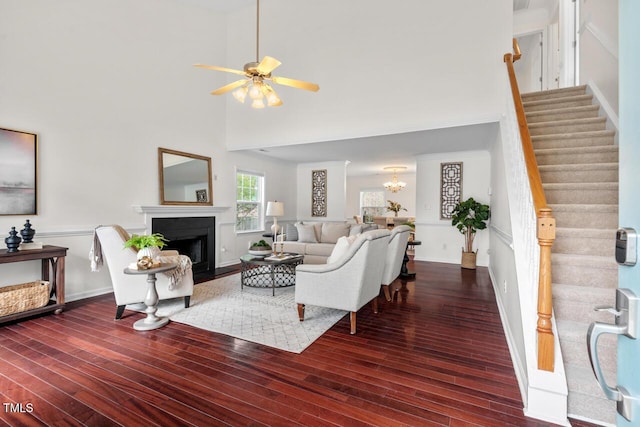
[(241, 93), (273, 100), (255, 92), (258, 103)]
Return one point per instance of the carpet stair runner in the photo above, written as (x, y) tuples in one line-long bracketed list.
[(578, 163)]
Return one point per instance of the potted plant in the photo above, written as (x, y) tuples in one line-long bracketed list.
[(469, 217), (147, 245), (394, 207), (260, 248)]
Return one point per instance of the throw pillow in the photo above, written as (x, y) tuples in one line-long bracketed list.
[(331, 232), (356, 229), (341, 248), (306, 233), (291, 233)]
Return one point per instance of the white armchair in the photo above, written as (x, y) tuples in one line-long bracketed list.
[(130, 289), (395, 254), (348, 283)]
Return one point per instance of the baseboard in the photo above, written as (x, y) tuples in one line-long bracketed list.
[(606, 109), (519, 369), (89, 294)]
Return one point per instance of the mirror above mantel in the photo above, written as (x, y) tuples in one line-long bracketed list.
[(185, 178)]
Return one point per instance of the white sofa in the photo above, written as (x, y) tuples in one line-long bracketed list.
[(316, 240)]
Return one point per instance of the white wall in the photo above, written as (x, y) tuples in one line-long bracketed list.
[(383, 67), (441, 242), (599, 47), (503, 264), (406, 197), (104, 84)]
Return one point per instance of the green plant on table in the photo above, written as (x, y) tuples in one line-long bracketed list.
[(146, 241), (260, 245)]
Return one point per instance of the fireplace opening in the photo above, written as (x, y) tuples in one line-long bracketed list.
[(193, 237)]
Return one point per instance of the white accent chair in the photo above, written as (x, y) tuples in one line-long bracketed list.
[(131, 289), (395, 254), (348, 283)]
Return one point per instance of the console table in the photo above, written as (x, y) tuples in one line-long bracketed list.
[(52, 261)]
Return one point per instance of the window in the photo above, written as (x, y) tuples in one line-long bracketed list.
[(249, 201), (371, 204)]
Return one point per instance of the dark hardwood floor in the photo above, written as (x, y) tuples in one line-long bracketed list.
[(436, 356)]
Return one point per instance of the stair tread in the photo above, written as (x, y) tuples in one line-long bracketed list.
[(579, 167), (598, 233), (581, 186), (564, 110), (584, 381), (599, 208), (551, 101), (571, 135), (566, 122), (582, 88), (581, 295), (594, 261), (577, 150)]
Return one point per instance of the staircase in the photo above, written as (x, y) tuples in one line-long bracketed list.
[(578, 164)]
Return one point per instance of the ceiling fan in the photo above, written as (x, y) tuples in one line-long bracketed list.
[(256, 77)]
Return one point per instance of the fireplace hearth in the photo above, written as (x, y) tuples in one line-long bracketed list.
[(193, 237)]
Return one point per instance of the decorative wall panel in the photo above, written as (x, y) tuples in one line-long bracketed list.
[(319, 192), (450, 187)]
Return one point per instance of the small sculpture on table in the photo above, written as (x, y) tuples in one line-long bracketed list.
[(13, 241), (27, 233)]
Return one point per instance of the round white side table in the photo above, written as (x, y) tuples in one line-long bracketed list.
[(151, 299)]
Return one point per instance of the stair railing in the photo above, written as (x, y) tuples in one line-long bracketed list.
[(546, 224)]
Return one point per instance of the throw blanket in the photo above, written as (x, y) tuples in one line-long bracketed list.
[(175, 276), (95, 253)]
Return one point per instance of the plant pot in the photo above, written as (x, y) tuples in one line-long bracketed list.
[(469, 260), (152, 252), (260, 251)]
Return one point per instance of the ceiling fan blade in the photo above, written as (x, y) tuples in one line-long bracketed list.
[(267, 65), (229, 87), (299, 84), (214, 67)]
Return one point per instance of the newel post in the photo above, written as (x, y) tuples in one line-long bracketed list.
[(546, 231)]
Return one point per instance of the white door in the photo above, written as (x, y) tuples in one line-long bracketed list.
[(627, 390), (629, 276)]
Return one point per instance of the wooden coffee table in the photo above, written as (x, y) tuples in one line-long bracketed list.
[(260, 272)]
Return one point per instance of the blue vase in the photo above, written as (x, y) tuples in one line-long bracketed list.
[(27, 233), (13, 241)]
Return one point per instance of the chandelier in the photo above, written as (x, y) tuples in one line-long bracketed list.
[(394, 185)]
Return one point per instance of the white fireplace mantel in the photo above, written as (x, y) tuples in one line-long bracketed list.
[(179, 209), (168, 211)]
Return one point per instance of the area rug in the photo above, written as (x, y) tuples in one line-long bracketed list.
[(251, 314)]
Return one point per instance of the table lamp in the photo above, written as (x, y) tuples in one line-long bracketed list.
[(275, 209)]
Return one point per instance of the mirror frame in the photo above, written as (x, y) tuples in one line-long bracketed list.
[(162, 151)]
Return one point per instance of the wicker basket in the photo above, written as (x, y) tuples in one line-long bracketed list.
[(469, 260), (23, 297)]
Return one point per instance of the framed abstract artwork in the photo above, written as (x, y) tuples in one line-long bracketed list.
[(450, 187), (319, 192), (18, 172)]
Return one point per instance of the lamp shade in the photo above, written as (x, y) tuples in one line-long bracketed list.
[(275, 209)]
